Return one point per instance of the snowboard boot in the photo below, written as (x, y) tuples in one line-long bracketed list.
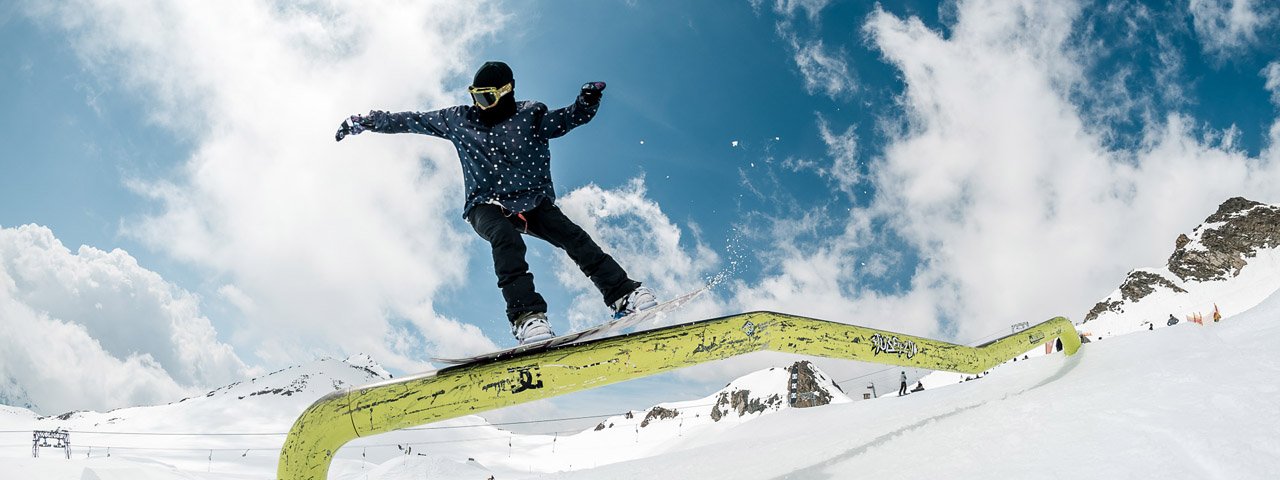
[(641, 298), (532, 327)]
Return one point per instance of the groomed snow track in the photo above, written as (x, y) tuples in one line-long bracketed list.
[(345, 415)]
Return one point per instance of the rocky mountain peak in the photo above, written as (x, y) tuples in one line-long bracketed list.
[(1219, 248), (809, 386), (1216, 250)]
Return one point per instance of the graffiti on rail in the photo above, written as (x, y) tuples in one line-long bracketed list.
[(893, 344)]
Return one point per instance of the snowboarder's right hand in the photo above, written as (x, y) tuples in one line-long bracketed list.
[(591, 93), (353, 125)]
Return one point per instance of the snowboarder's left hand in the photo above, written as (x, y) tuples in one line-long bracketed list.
[(591, 93), (353, 125)]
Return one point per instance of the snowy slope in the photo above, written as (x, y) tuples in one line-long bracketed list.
[(1184, 402), (673, 425), (240, 427), (638, 434), (1188, 402), (1231, 261)]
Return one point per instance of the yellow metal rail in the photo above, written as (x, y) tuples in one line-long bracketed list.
[(345, 415)]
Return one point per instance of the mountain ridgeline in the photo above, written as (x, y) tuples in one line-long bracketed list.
[(1203, 274)]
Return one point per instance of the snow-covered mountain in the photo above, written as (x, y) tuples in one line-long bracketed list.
[(246, 418), (12, 394), (1230, 263), (237, 429), (671, 425), (241, 406)]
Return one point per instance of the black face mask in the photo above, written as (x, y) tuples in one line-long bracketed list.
[(496, 75)]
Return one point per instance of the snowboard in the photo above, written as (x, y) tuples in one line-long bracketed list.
[(607, 329)]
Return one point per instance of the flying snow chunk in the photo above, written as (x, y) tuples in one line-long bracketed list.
[(733, 143), (642, 142)]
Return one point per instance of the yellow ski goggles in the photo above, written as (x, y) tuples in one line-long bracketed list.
[(487, 97)]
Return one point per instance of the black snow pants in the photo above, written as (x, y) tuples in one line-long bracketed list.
[(547, 222)]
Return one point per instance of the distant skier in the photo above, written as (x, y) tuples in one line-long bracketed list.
[(506, 168), (902, 390)]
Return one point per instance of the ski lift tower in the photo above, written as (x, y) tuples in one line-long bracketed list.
[(56, 438)]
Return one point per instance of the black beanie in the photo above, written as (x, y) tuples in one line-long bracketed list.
[(496, 74), (493, 74)]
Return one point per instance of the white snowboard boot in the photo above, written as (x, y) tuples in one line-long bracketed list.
[(532, 327), (641, 298)]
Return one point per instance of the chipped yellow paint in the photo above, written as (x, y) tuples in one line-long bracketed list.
[(468, 389)]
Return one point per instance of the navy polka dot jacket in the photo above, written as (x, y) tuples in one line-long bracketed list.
[(509, 163)]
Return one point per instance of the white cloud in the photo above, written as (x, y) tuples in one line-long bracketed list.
[(1228, 26), (788, 8), (1017, 210), (823, 70), (92, 329), (842, 148), (334, 243), (1272, 74), (634, 230)]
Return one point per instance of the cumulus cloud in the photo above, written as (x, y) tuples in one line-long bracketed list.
[(1228, 26), (322, 246), (634, 230), (1014, 206), (93, 329)]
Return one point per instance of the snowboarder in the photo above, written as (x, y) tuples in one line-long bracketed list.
[(902, 390), (506, 167)]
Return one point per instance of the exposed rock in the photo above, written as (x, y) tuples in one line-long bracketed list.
[(1139, 284), (1218, 249), (70, 415), (658, 413), (1234, 234), (1182, 241), (743, 403), (1104, 307), (806, 391)]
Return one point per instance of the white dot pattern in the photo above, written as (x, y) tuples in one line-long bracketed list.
[(508, 163)]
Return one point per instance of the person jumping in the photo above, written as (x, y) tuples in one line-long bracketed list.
[(506, 167)]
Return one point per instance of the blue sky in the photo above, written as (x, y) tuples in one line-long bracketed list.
[(939, 169)]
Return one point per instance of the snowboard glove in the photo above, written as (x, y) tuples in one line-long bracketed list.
[(591, 93), (353, 125)]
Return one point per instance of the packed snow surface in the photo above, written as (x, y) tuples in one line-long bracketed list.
[(1187, 401)]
